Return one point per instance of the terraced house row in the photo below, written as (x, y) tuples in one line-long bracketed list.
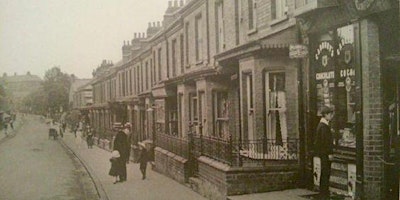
[(228, 94)]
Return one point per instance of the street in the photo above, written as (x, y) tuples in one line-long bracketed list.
[(32, 166)]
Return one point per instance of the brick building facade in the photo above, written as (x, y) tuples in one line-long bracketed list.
[(223, 107)]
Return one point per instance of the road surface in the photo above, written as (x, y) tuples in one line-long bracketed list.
[(32, 166)]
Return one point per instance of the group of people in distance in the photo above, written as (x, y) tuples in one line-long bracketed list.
[(121, 153)]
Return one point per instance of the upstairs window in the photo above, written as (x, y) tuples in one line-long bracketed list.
[(252, 5), (173, 58), (199, 37), (279, 8), (219, 18)]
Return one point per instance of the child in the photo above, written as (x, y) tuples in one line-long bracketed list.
[(114, 171), (143, 160)]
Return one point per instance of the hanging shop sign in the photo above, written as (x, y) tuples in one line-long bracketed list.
[(298, 51)]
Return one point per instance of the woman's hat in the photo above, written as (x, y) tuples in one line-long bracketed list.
[(115, 154), (326, 109)]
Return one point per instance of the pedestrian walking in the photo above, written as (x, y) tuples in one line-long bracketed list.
[(121, 145), (115, 166), (5, 128), (60, 129), (76, 127), (78, 138), (143, 158), (11, 122), (89, 138), (323, 146)]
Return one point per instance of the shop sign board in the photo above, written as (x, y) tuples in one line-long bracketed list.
[(298, 51)]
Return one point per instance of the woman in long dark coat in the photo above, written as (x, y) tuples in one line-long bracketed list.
[(121, 145)]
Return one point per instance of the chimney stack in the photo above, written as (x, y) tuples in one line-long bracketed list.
[(169, 4), (181, 3), (158, 24), (175, 3), (154, 24)]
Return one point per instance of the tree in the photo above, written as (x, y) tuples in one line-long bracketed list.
[(5, 96), (56, 86), (36, 102)]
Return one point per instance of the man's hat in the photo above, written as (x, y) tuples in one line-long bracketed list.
[(326, 109)]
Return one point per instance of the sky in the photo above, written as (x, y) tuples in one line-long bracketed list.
[(75, 35)]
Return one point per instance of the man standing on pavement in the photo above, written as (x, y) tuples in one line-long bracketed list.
[(323, 146), (121, 145)]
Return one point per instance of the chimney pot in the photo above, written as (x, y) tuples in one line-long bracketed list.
[(158, 24), (134, 36), (175, 3), (144, 35), (154, 24), (181, 3), (169, 4), (149, 24)]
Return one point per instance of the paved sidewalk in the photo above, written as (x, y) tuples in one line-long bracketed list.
[(155, 187)]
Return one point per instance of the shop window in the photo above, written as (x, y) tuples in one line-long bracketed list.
[(336, 81), (220, 113), (276, 126), (346, 87)]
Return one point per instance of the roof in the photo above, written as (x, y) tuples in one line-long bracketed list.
[(75, 84), (20, 78)]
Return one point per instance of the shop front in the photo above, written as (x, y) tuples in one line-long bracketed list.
[(335, 81), (345, 69)]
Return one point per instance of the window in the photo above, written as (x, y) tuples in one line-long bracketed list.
[(130, 81), (173, 58), (180, 113), (237, 20), (221, 114), (252, 14), (154, 68), (141, 78), (182, 54), (159, 64), (275, 101), (193, 116), (198, 37), (279, 8), (146, 76), (151, 72), (187, 43), (219, 18)]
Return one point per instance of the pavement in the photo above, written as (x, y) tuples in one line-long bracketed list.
[(155, 187)]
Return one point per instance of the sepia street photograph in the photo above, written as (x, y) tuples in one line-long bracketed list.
[(200, 100)]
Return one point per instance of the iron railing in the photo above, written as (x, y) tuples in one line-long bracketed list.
[(239, 153), (174, 144)]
